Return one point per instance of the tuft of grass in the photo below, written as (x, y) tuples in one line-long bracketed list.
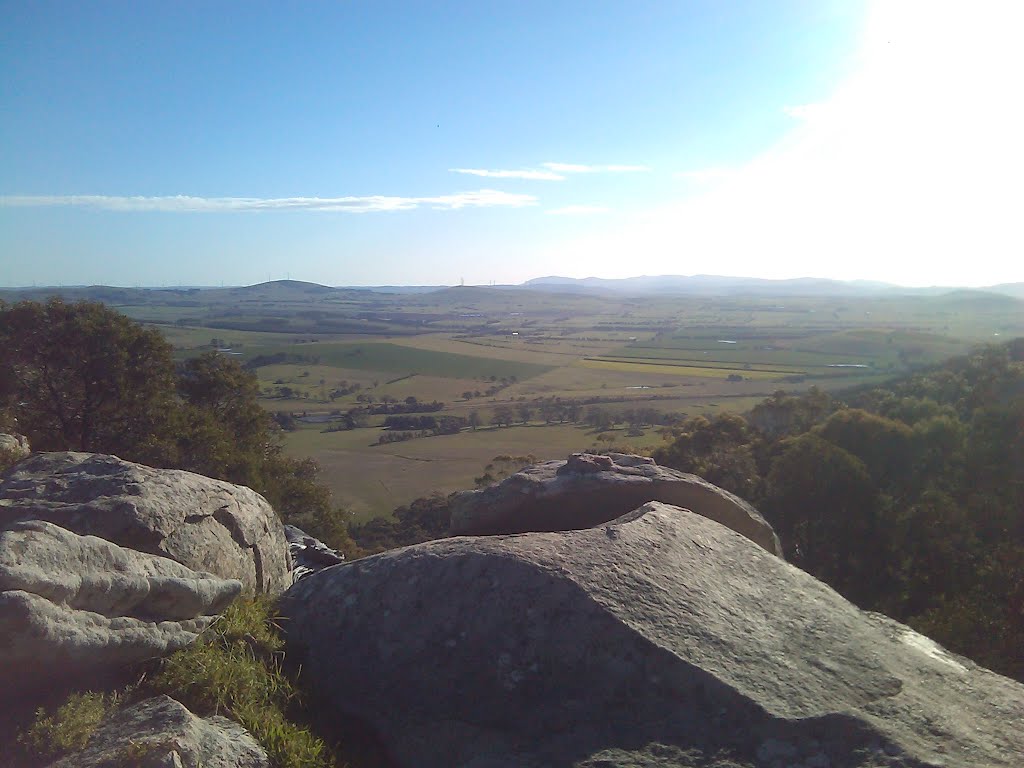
[(234, 669), (70, 727)]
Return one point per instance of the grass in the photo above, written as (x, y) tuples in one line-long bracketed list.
[(69, 728), (233, 669), (373, 481), (398, 359), (673, 369)]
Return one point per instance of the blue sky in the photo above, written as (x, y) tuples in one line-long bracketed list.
[(426, 143)]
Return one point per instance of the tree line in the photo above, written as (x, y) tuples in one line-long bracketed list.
[(82, 377), (907, 498)]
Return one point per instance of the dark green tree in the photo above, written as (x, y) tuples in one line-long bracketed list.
[(83, 377)]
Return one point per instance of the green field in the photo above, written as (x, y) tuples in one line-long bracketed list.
[(394, 358), (479, 349)]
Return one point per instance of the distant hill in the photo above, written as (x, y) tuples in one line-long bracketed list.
[(1009, 289), (712, 285), (719, 285)]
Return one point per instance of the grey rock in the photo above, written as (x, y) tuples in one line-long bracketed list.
[(73, 606), (13, 448), (590, 489), (161, 733), (662, 638), (209, 525), (309, 554)]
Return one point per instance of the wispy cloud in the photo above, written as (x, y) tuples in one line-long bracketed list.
[(484, 198), (577, 210), (549, 171), (533, 175), (577, 168)]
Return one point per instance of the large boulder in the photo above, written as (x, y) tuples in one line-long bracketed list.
[(78, 606), (161, 733), (588, 489), (209, 525), (660, 639)]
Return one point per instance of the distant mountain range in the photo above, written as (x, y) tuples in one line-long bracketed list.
[(662, 285), (718, 285)]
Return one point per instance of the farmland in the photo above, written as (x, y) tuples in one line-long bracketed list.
[(337, 362)]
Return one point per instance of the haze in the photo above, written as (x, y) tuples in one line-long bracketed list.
[(367, 144)]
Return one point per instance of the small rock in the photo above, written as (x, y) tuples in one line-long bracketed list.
[(161, 733)]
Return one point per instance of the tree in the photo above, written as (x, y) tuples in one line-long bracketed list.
[(824, 506), (503, 416), (882, 444), (83, 377)]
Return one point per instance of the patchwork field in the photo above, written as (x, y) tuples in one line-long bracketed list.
[(344, 359)]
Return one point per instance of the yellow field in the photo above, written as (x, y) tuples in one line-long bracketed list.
[(372, 480), (681, 370)]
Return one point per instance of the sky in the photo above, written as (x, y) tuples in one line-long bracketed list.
[(383, 143)]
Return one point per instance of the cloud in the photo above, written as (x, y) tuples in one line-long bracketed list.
[(576, 168), (908, 171), (577, 210), (549, 171), (484, 198), (533, 175)]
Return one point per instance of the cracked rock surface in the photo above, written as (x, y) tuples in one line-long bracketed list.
[(161, 733), (209, 525), (76, 606), (662, 638), (590, 489)]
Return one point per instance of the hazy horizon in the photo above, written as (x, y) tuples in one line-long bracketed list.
[(190, 144), (553, 277)]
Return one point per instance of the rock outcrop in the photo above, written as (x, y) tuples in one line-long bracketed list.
[(209, 525), (308, 554), (660, 639), (13, 448), (161, 733), (589, 489), (78, 606)]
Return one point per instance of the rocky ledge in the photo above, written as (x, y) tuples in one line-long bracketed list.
[(590, 489), (660, 639), (209, 525)]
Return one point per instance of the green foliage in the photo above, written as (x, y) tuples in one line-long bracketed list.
[(234, 669), (424, 519), (825, 507), (69, 728), (719, 449), (908, 498), (83, 377), (882, 444)]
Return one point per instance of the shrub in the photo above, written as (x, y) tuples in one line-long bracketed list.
[(69, 728)]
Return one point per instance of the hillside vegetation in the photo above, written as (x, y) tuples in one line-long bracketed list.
[(908, 497)]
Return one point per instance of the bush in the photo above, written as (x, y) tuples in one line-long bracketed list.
[(69, 728)]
